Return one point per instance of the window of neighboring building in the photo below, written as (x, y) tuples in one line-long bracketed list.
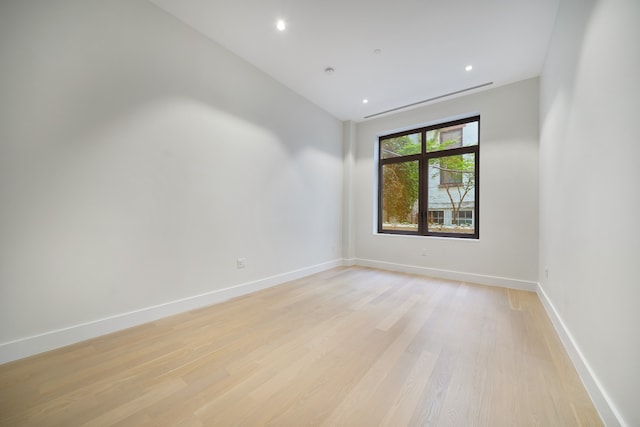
[(465, 218), (436, 217), (428, 180)]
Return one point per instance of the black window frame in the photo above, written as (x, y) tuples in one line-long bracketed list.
[(423, 188)]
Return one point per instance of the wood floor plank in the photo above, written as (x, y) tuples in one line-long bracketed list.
[(348, 346)]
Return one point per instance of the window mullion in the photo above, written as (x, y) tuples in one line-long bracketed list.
[(424, 196)]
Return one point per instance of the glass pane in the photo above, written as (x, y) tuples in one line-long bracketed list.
[(400, 196), (463, 135), (452, 192), (401, 146)]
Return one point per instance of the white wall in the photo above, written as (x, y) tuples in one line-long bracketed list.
[(507, 251), (589, 197), (138, 159)]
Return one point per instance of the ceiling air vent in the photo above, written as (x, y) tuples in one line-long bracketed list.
[(428, 100)]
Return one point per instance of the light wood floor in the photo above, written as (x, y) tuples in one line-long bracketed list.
[(347, 347)]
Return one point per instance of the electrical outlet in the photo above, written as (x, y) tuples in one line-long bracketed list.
[(424, 251), (546, 272), (241, 262)]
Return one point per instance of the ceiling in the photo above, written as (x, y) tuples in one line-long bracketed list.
[(392, 53)]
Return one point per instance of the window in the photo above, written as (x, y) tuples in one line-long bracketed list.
[(436, 217), (428, 180), (465, 218)]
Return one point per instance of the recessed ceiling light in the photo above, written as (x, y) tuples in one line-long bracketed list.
[(365, 101), (468, 68), (281, 25)]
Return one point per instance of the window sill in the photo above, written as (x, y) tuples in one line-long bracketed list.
[(419, 236)]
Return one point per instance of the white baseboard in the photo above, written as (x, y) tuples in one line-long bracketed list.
[(29, 346), (349, 262), (610, 416), (451, 275)]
